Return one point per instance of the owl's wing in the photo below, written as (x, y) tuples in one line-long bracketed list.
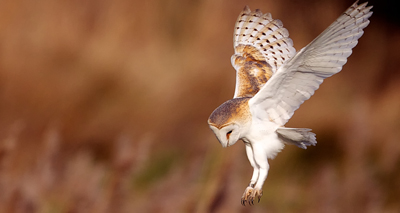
[(261, 46), (296, 81)]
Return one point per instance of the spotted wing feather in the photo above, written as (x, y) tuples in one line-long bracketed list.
[(261, 46)]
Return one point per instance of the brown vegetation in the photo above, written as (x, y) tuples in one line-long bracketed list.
[(104, 107)]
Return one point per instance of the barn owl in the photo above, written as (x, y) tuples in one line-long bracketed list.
[(272, 81)]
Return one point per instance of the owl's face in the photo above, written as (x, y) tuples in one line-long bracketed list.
[(230, 121), (228, 134)]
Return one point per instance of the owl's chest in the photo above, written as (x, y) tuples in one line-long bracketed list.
[(259, 131)]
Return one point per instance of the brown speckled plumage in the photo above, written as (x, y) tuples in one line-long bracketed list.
[(253, 72), (234, 109), (261, 46)]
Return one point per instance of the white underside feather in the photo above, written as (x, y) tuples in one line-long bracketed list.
[(296, 80)]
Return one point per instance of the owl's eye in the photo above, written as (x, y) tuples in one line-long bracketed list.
[(228, 134)]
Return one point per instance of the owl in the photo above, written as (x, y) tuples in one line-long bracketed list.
[(272, 81)]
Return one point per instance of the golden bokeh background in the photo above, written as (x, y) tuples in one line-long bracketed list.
[(104, 107)]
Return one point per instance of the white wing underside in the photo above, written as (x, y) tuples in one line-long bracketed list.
[(297, 79)]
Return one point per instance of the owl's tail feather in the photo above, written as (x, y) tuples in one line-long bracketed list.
[(300, 137)]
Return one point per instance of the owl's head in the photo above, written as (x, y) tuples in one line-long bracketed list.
[(229, 121)]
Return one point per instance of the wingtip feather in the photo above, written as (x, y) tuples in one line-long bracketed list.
[(363, 5), (246, 9)]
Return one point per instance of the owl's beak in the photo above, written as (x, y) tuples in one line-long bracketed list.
[(223, 143)]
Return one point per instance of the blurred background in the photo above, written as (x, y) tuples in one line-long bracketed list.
[(104, 107)]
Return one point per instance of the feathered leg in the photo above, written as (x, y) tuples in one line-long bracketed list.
[(249, 190)]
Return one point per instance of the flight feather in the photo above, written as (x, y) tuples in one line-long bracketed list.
[(296, 80)]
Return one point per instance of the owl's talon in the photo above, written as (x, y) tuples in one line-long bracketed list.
[(257, 193), (246, 196), (251, 194)]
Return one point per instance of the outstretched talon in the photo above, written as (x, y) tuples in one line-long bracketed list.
[(256, 194), (251, 194), (246, 196)]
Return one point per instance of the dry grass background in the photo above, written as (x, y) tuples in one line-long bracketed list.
[(103, 108)]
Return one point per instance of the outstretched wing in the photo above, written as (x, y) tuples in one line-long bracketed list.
[(297, 80), (261, 46)]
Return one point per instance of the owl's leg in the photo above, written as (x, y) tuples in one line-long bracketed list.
[(261, 160), (250, 155), (249, 190)]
